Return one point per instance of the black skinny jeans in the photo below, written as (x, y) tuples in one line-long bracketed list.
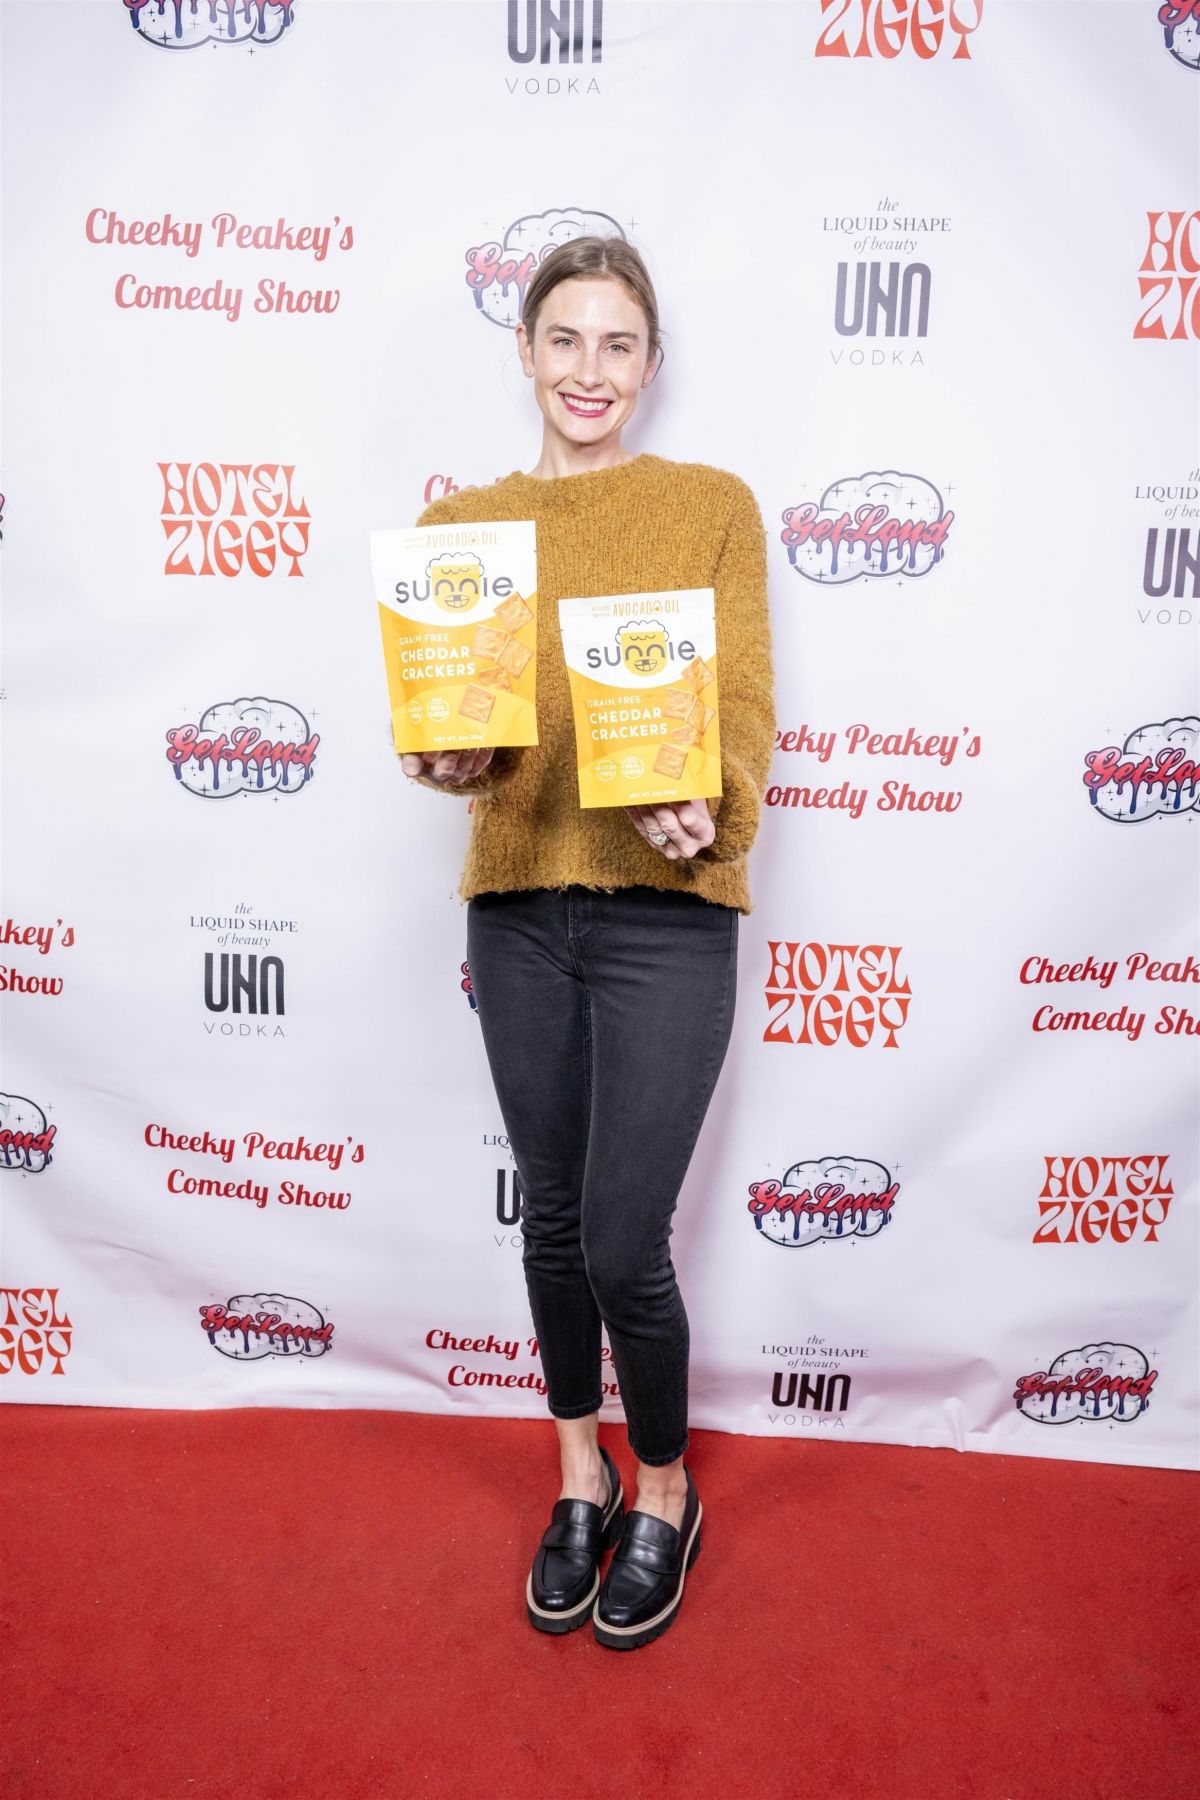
[(605, 1018)]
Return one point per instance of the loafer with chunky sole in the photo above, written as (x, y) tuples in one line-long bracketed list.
[(565, 1577), (642, 1591)]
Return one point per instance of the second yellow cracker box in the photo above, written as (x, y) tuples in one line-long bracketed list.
[(643, 674)]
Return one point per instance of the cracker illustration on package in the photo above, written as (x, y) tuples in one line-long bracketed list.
[(458, 613), (643, 674)]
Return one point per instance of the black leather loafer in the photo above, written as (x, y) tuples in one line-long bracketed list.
[(644, 1585), (565, 1579)]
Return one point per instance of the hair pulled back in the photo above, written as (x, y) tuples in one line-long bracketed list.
[(592, 257)]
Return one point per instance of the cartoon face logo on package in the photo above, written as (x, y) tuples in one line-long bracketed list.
[(243, 746), (458, 615), (1156, 770), (249, 1326), (187, 25), (1099, 1381), (830, 1197), (644, 647), (643, 675), (455, 586)]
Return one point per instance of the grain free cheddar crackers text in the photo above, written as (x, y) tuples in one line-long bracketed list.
[(458, 612), (643, 674)]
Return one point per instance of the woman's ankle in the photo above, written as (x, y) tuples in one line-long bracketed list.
[(584, 1476)]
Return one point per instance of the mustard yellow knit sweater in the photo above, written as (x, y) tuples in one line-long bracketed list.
[(647, 524)]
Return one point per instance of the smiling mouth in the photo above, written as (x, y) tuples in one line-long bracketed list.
[(584, 409)]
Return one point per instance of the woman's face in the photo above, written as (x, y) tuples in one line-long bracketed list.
[(591, 346)]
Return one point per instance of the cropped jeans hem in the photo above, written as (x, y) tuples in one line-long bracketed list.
[(575, 1412), (658, 1462)]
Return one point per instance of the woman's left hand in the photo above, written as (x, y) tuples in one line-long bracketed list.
[(687, 825)]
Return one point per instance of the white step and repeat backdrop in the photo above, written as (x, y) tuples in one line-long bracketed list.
[(928, 272)]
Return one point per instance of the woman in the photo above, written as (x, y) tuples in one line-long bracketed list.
[(602, 943)]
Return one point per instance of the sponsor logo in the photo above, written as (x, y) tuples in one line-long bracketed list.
[(827, 994), (895, 304), (43, 939), (884, 29), (104, 226), (1167, 277), (549, 32), (1171, 567), (221, 518), (641, 648), (244, 986), (886, 292), (26, 1137), (1154, 771), (245, 746), (35, 1331), (438, 486), (828, 1197), (874, 525), (1180, 20), (809, 1386), (498, 270), (894, 796), (250, 1326), (243, 926), (507, 1350), (1099, 1381), (256, 1147), (1088, 1199), (236, 983), (801, 1390), (456, 584), (507, 1198), (1172, 1020), (188, 24)]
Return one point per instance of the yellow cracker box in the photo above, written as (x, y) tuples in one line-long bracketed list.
[(458, 612), (643, 674)]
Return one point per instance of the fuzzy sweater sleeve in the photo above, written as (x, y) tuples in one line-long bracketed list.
[(505, 757), (745, 680)]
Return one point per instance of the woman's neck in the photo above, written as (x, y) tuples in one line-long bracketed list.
[(561, 458)]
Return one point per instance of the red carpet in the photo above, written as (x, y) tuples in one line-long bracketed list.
[(326, 1604)]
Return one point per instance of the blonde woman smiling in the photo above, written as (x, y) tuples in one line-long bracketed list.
[(602, 943)]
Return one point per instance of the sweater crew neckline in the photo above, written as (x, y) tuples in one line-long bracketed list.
[(589, 478)]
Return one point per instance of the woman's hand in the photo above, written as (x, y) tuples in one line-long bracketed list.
[(687, 825), (449, 766)]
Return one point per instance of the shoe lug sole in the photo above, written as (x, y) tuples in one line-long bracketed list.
[(632, 1637), (558, 1624), (546, 1620)]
